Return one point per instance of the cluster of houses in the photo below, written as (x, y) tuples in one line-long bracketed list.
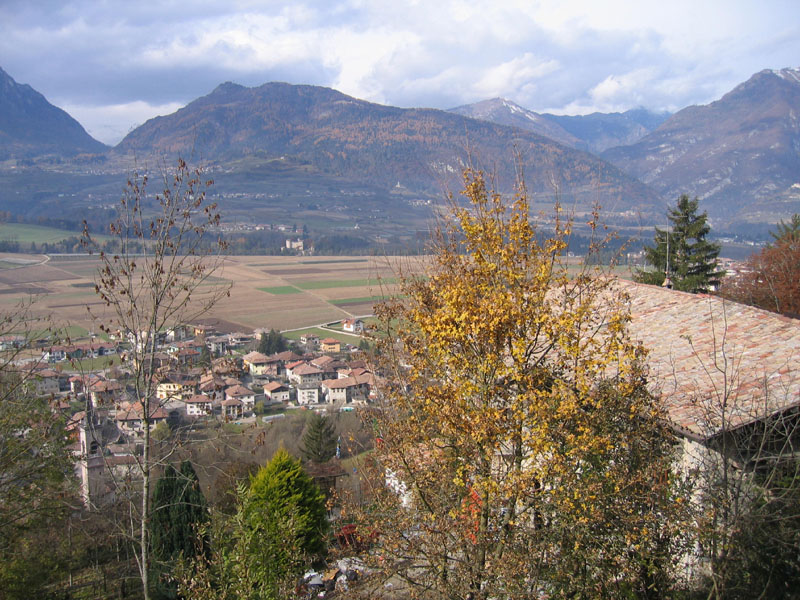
[(188, 387), (311, 379)]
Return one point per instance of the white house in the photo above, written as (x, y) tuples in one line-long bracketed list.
[(347, 389), (232, 408), (246, 396), (308, 393), (353, 325), (305, 374), (277, 392), (198, 405)]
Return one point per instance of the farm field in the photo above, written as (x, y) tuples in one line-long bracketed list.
[(25, 233), (272, 292), (285, 293)]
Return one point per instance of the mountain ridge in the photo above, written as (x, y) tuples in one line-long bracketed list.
[(381, 145), (31, 126), (739, 154), (594, 132), (507, 112)]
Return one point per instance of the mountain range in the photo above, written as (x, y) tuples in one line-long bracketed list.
[(419, 149), (594, 132), (739, 154)]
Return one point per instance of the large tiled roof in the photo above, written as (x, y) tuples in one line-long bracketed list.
[(345, 382), (136, 412), (704, 350), (306, 369), (273, 386), (238, 391), (255, 358), (198, 399)]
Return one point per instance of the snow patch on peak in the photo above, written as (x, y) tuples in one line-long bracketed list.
[(788, 74), (517, 109)]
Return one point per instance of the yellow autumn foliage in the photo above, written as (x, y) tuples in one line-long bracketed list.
[(530, 457)]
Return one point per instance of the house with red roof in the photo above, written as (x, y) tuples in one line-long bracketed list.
[(232, 408), (277, 392), (131, 419)]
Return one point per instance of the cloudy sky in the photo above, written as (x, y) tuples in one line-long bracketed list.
[(113, 65)]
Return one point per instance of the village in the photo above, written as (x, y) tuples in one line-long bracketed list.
[(200, 375)]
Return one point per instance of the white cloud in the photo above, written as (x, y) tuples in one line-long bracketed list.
[(512, 75), (616, 90), (133, 60)]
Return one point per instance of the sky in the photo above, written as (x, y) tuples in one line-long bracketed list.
[(112, 65)]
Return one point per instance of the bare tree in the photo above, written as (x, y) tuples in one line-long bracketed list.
[(156, 274), (742, 454)]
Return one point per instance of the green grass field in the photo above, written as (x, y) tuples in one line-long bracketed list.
[(333, 261), (341, 283), (280, 290), (322, 334), (25, 234), (92, 364), (73, 332), (360, 300)]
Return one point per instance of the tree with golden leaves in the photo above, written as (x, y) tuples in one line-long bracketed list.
[(519, 453)]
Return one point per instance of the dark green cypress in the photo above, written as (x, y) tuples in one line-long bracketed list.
[(319, 439), (271, 343), (161, 530), (179, 511), (189, 512)]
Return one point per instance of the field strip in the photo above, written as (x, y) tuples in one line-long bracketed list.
[(341, 283), (281, 290)]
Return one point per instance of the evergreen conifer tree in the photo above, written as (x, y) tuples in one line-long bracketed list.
[(258, 553), (319, 439), (161, 536), (787, 232), (179, 509), (271, 343), (263, 344), (282, 492), (684, 251), (205, 356)]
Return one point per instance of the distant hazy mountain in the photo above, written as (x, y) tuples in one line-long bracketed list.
[(334, 134), (600, 131), (31, 126), (595, 132), (740, 154), (506, 112)]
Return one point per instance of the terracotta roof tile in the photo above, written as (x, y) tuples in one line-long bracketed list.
[(700, 344)]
